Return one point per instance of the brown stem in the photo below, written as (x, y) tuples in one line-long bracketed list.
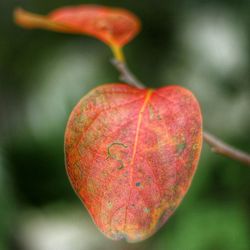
[(215, 143), (225, 149), (126, 75)]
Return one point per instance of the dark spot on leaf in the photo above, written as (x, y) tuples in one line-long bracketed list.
[(138, 184), (120, 167), (180, 147)]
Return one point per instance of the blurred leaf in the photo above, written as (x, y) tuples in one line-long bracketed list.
[(114, 26)]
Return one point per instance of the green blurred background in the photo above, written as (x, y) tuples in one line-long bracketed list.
[(201, 45)]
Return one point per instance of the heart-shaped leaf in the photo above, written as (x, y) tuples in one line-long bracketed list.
[(114, 26), (131, 155)]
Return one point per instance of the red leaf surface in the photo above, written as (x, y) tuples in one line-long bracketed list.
[(114, 26), (131, 155)]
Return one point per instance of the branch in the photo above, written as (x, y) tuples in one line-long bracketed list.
[(225, 149), (215, 143), (126, 75)]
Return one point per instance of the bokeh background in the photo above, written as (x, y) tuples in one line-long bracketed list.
[(201, 45)]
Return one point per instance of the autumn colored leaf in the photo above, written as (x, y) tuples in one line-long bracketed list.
[(114, 26), (131, 155)]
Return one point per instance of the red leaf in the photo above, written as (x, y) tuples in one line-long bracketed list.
[(114, 26), (131, 155)]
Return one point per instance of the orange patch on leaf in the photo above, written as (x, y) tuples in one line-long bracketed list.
[(131, 155), (114, 26)]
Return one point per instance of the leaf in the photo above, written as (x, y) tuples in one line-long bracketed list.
[(131, 155), (114, 26)]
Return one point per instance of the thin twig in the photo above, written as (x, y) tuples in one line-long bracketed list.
[(215, 143), (126, 75), (225, 149)]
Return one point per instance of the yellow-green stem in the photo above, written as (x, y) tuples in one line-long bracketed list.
[(118, 53)]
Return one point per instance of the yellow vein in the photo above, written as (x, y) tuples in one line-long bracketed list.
[(139, 121)]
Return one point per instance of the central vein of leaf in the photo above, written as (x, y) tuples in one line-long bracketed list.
[(139, 121), (148, 95)]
